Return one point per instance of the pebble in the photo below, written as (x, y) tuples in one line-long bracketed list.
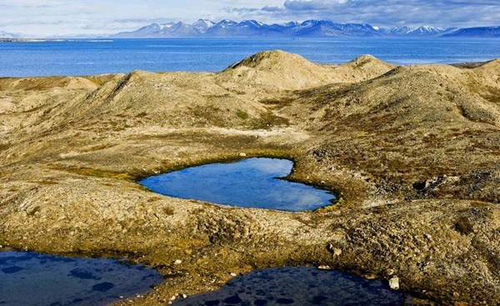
[(324, 267), (234, 274), (177, 262), (243, 155), (394, 283)]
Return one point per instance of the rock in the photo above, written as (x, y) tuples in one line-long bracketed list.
[(394, 283), (243, 155), (324, 267), (177, 262), (234, 274)]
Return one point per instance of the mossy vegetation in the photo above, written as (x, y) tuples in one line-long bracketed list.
[(242, 115)]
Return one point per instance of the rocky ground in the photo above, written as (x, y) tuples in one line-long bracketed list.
[(413, 152)]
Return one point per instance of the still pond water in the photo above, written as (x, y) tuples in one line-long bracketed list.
[(298, 286), (254, 182), (32, 279)]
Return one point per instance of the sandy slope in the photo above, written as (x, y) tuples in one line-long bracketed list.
[(413, 150)]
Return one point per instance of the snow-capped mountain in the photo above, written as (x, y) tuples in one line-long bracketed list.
[(203, 25), (325, 28), (229, 28), (308, 28), (425, 31), (398, 31)]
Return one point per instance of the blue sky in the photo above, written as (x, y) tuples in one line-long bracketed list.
[(68, 17)]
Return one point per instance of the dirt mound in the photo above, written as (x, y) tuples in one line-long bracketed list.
[(412, 125), (45, 83), (362, 68), (286, 71), (432, 94), (173, 99)]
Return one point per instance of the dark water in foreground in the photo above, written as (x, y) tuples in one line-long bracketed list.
[(83, 57), (249, 183), (32, 279), (298, 286)]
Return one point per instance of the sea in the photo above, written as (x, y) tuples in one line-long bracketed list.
[(100, 56)]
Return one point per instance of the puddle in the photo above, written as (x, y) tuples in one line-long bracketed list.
[(252, 182), (298, 286), (32, 279)]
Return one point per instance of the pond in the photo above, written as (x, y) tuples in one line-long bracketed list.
[(33, 279), (302, 286), (254, 182)]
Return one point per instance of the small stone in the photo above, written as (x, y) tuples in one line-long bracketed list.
[(234, 274), (243, 155), (394, 283), (177, 262), (324, 267), (173, 298), (184, 296), (370, 276)]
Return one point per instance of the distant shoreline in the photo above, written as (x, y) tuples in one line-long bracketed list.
[(110, 39), (34, 40)]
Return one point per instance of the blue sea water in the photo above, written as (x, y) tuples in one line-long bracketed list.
[(84, 57)]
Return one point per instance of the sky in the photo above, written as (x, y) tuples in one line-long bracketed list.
[(41, 18)]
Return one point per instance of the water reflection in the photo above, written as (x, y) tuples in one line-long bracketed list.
[(32, 279), (249, 183), (298, 286)]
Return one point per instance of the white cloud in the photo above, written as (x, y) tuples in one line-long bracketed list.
[(444, 13)]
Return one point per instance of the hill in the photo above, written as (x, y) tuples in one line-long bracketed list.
[(282, 70)]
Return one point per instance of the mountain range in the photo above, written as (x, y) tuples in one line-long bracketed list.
[(309, 28), (7, 35)]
